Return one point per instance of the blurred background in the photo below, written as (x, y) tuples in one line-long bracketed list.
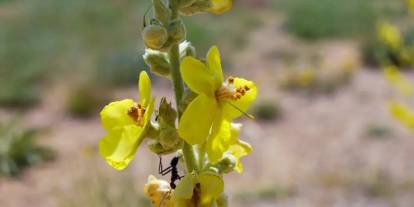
[(323, 134)]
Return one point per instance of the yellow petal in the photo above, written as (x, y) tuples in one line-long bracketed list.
[(234, 108), (196, 121), (115, 114), (238, 150), (399, 81), (220, 6), (217, 145), (214, 64), (185, 188), (144, 87), (211, 187), (197, 76), (403, 114), (119, 146), (148, 112)]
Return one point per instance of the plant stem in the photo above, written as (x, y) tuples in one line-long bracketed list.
[(178, 85)]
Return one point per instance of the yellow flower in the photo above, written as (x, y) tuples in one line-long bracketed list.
[(226, 143), (126, 123), (411, 5), (217, 99), (399, 81), (220, 6), (209, 187), (159, 192), (403, 114), (390, 35)]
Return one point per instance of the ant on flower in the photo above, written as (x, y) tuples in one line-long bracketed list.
[(171, 169)]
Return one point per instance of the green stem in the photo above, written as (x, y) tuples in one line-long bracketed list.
[(178, 85)]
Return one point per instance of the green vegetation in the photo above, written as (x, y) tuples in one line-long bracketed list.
[(313, 19), (45, 40), (267, 110), (265, 193), (18, 150), (376, 130), (85, 101), (97, 190), (316, 19)]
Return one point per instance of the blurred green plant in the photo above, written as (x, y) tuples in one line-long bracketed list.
[(271, 192), (98, 190), (376, 130), (119, 69), (85, 100), (314, 19), (267, 110), (19, 149), (380, 48)]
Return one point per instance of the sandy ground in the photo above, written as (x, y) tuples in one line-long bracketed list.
[(318, 154)]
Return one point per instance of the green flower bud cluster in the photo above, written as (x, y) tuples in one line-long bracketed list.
[(167, 139), (159, 63), (164, 30)]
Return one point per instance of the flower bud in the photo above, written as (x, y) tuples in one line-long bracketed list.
[(196, 7), (161, 12), (157, 61), (169, 138), (167, 115), (186, 3), (187, 49), (155, 36), (158, 149), (177, 31), (226, 165)]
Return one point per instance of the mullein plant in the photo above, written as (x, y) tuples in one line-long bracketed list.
[(200, 129), (391, 36)]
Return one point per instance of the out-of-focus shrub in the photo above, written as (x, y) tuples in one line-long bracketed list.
[(98, 190), (119, 69), (19, 149), (376, 130), (389, 46), (315, 80), (267, 110), (314, 19), (85, 100)]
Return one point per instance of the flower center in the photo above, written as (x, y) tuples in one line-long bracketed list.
[(137, 114), (230, 92)]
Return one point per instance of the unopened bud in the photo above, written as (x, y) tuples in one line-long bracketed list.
[(155, 36), (196, 7), (161, 12), (158, 149), (187, 49), (170, 139), (167, 114), (157, 61), (226, 164), (177, 31)]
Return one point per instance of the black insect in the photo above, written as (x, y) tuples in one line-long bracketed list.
[(171, 169)]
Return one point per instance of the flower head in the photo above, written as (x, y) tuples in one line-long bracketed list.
[(208, 186), (217, 99), (403, 114), (220, 6), (126, 123), (390, 35), (159, 192), (227, 144)]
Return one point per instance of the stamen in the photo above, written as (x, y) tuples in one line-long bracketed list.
[(137, 114), (228, 91)]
